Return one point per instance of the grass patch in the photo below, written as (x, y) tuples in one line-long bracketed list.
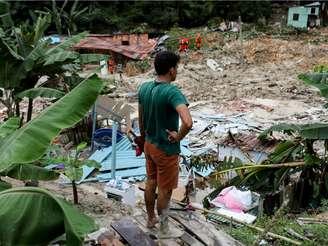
[(316, 232)]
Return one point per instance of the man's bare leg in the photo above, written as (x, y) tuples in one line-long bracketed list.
[(150, 196), (163, 201)]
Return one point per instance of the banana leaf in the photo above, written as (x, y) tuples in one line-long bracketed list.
[(283, 152), (5, 17), (34, 216), (60, 57), (13, 51), (41, 25), (9, 126), (315, 131), (90, 58), (41, 92), (28, 172), (283, 127), (30, 142), (318, 80), (38, 52), (11, 73), (67, 43), (4, 185)]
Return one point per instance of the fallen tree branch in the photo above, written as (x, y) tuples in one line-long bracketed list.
[(295, 234), (280, 165)]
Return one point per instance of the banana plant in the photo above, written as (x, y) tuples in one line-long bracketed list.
[(21, 171), (66, 18), (73, 164), (26, 56), (52, 217), (318, 79), (23, 146), (295, 155)]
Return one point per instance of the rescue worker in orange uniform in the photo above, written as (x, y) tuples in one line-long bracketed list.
[(111, 66), (184, 44), (198, 41)]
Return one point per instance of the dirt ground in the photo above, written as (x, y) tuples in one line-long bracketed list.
[(270, 69)]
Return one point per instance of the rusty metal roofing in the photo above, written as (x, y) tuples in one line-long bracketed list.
[(139, 45)]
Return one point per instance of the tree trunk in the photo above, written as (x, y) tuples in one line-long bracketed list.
[(29, 110), (17, 109), (76, 201), (324, 14)]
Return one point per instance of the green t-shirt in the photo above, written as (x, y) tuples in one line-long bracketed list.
[(158, 101)]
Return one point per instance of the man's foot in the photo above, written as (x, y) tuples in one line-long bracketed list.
[(151, 223), (170, 233)]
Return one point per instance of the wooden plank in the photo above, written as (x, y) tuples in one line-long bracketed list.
[(190, 240), (131, 233), (141, 219), (204, 231), (195, 229)]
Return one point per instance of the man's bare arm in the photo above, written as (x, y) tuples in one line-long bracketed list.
[(186, 125), (140, 119)]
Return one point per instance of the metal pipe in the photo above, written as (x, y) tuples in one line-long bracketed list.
[(114, 134), (94, 122)]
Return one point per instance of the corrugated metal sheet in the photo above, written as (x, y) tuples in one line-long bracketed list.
[(127, 164), (133, 172), (104, 154), (124, 159)]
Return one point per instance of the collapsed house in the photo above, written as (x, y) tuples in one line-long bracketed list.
[(121, 47)]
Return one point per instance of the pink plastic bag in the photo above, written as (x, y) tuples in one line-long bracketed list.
[(233, 199)]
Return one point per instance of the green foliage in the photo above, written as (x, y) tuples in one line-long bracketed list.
[(22, 171), (307, 131), (318, 80), (289, 156), (29, 172), (248, 236), (9, 127), (30, 142), (41, 92), (282, 127), (286, 151), (73, 164), (214, 22), (175, 33), (320, 69), (27, 57), (4, 185), (39, 218), (5, 17), (210, 160), (105, 17), (143, 65), (66, 20)]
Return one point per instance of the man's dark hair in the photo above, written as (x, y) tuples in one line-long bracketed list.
[(164, 61)]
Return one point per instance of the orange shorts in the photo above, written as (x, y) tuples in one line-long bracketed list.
[(161, 167)]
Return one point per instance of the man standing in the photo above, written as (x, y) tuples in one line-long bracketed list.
[(161, 104)]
